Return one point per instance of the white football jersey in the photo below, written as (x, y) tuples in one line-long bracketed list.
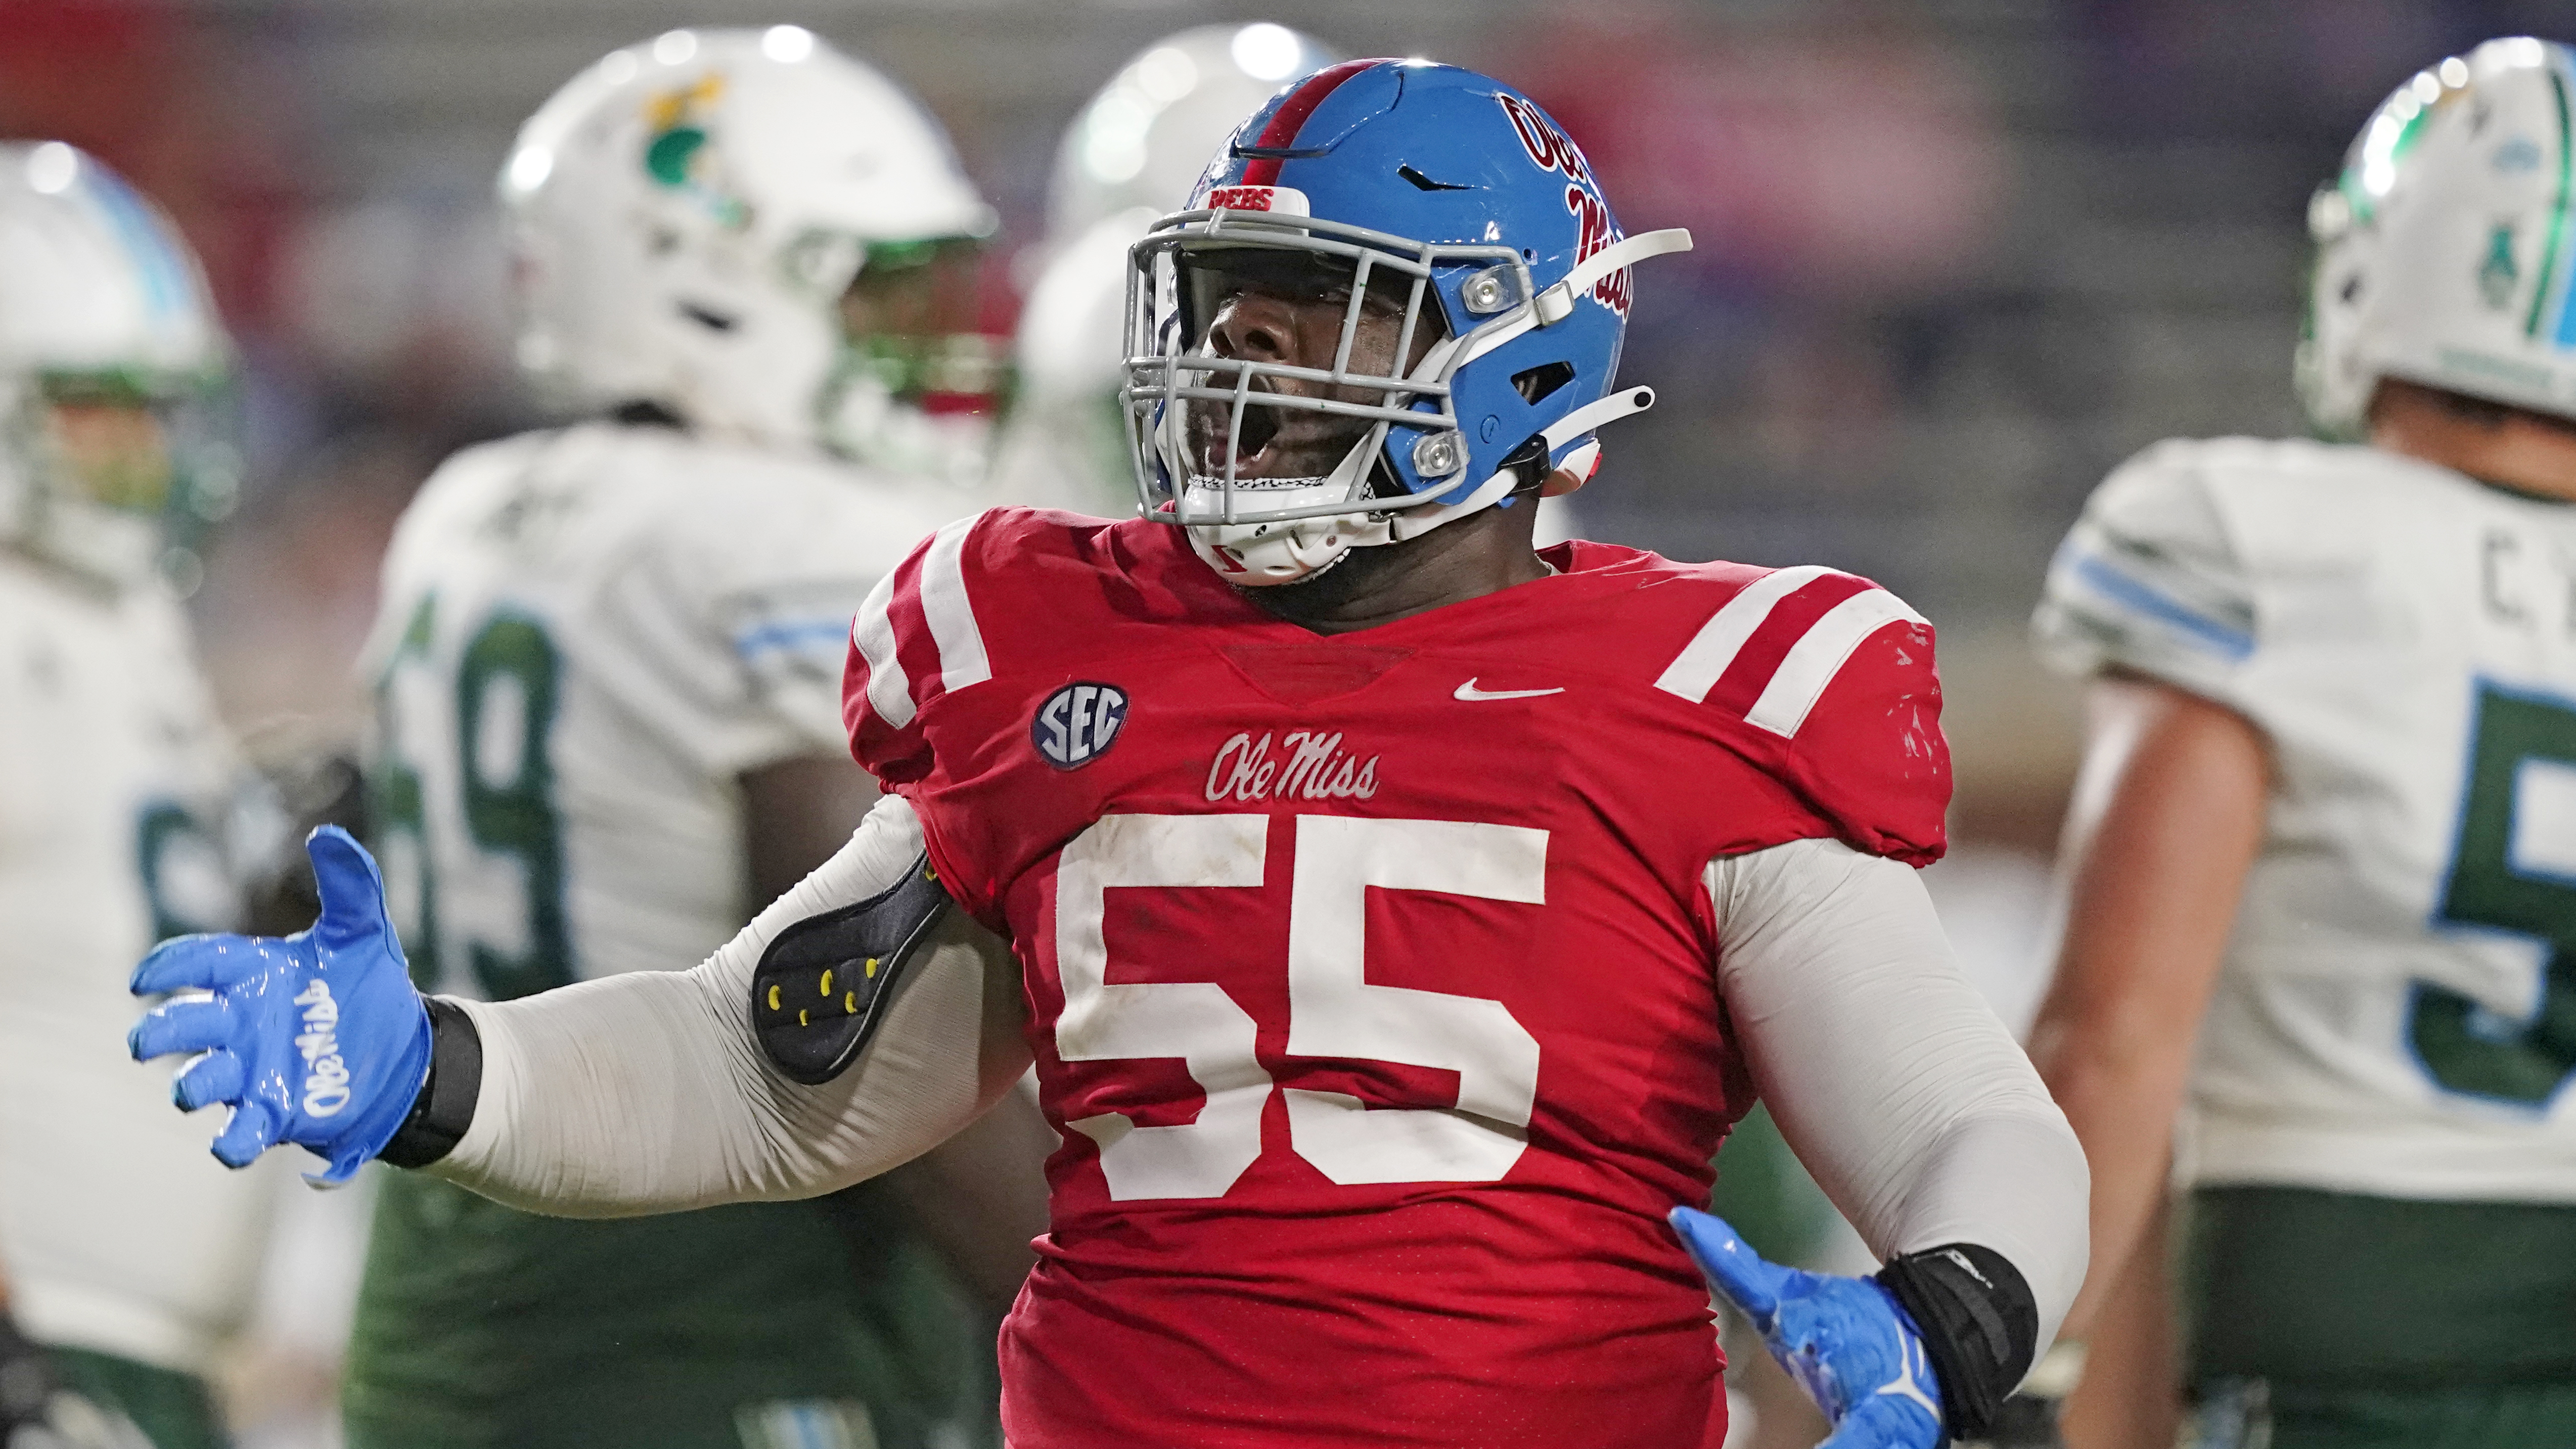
[(585, 638), (118, 1230), (2397, 1011)]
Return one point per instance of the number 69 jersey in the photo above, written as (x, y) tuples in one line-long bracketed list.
[(1370, 977), (584, 637), (2397, 1011)]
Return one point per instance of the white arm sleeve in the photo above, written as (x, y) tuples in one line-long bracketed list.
[(1901, 1092), (646, 1092)]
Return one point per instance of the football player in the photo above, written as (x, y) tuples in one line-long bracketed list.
[(607, 666), (2326, 826), (1397, 915), (124, 1253)]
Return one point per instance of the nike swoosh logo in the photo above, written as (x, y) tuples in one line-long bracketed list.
[(1469, 692)]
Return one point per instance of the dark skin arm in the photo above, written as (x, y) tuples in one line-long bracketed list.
[(796, 814), (980, 1196)]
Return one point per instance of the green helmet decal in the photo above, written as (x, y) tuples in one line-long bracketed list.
[(676, 154), (2498, 273), (667, 155), (2557, 211)]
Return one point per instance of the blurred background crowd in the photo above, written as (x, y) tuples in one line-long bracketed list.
[(1956, 258)]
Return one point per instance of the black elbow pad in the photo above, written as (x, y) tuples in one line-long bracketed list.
[(820, 988), (1980, 1326)]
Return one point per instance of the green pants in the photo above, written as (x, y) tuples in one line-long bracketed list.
[(174, 1410), (823, 1325), (2257, 1414), (1764, 1193), (2321, 1320)]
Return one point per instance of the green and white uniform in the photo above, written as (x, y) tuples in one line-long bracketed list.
[(121, 1238), (2380, 1134), (586, 637)]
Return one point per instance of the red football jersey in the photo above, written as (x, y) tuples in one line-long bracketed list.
[(1370, 977)]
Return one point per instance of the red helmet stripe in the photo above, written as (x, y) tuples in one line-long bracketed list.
[(1282, 128)]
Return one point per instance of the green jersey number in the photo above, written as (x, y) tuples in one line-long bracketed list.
[(185, 883), (2522, 779), (504, 701)]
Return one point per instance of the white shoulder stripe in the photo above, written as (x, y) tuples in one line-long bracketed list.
[(962, 660), (889, 688), (1694, 672), (1818, 656)]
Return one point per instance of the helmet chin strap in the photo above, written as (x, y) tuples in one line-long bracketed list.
[(1265, 555), (1260, 555)]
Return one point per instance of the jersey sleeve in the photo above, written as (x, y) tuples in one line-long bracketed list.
[(916, 639), (2150, 580), (1828, 680), (1870, 754)]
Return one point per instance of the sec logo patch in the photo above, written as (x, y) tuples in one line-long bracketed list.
[(1078, 724)]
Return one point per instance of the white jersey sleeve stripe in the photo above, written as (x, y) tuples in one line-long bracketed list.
[(962, 660), (872, 634), (1818, 655), (1694, 672)]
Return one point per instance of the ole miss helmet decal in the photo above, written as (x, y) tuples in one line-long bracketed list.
[(1551, 150)]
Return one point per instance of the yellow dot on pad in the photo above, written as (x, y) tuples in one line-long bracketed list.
[(872, 968), (773, 996), (850, 1002), (827, 982), (800, 1017)]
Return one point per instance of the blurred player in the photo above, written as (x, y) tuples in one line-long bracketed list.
[(123, 1251), (607, 663), (1395, 929), (2326, 827), (1128, 159)]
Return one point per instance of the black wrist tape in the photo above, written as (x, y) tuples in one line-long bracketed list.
[(1979, 1323), (445, 1106)]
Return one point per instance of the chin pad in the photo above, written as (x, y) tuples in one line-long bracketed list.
[(821, 987)]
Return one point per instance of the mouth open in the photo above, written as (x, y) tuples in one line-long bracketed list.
[(1208, 425), (1273, 442)]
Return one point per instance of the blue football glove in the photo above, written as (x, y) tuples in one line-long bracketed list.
[(317, 1039), (1845, 1339)]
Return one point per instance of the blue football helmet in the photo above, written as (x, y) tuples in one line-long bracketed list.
[(1447, 196)]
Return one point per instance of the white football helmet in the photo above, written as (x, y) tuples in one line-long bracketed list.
[(2442, 248), (112, 373), (1130, 157), (1142, 141), (697, 221)]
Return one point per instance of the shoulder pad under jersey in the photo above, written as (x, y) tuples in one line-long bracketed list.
[(2151, 578), (1831, 678), (931, 626)]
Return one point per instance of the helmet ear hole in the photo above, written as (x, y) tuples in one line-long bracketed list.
[(1536, 383)]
